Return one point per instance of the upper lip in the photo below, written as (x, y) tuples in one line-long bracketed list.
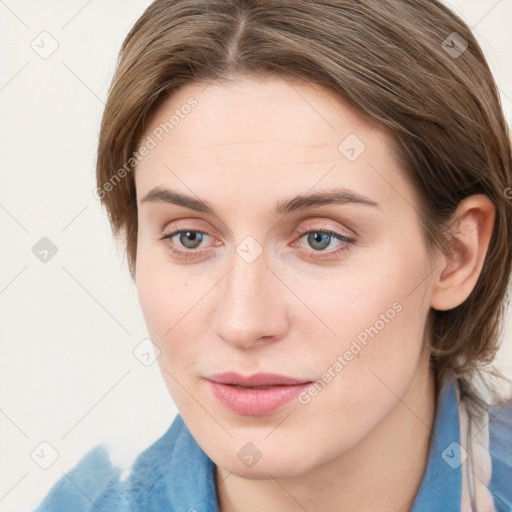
[(258, 379)]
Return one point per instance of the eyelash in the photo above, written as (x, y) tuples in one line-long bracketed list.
[(192, 253)]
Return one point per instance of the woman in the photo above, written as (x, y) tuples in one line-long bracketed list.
[(313, 197)]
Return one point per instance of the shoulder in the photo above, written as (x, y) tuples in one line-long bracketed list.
[(500, 449), (96, 484), (77, 489)]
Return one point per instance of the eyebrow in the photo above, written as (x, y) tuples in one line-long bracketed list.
[(337, 196)]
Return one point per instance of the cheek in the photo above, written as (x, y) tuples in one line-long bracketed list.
[(161, 292), (163, 300), (378, 321), (153, 299), (167, 306), (375, 317), (380, 303), (369, 362), (170, 302)]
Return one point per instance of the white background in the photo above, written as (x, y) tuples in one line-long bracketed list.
[(68, 327)]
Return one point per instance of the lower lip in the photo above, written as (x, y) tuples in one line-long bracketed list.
[(255, 402)]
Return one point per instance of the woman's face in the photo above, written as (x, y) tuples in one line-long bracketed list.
[(260, 279)]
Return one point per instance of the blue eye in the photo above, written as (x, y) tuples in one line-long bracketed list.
[(319, 240)]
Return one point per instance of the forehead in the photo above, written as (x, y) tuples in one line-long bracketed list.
[(257, 132), (276, 108)]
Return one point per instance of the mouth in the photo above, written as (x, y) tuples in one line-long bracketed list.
[(256, 380), (255, 395)]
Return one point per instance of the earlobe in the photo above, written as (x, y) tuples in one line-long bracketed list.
[(458, 271)]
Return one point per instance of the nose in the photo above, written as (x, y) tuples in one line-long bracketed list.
[(252, 305)]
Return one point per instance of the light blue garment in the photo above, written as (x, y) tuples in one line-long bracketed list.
[(175, 475)]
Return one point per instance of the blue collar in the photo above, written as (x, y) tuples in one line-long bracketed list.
[(440, 488), (192, 472)]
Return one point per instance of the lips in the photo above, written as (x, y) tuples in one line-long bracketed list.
[(255, 395), (256, 380)]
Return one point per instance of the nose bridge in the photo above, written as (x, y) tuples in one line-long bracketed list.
[(250, 303)]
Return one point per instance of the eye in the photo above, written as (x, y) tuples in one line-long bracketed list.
[(189, 239), (319, 240), (185, 243)]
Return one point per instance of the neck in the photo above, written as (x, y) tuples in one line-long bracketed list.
[(383, 472)]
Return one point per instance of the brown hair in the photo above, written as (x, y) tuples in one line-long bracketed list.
[(403, 63)]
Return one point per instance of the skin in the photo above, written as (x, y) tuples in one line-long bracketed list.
[(247, 145)]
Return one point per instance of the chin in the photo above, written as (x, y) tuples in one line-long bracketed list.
[(274, 463)]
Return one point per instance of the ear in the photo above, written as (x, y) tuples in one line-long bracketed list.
[(458, 271)]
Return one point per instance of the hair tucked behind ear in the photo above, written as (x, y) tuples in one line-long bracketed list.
[(396, 61)]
